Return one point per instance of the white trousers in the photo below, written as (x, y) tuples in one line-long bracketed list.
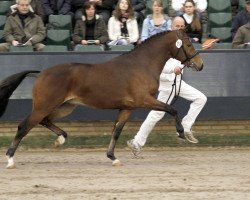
[(187, 92)]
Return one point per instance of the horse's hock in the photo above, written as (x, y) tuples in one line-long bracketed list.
[(105, 127)]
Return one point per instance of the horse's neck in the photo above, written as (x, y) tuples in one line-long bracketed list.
[(155, 54)]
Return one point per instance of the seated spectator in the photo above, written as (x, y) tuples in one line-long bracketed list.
[(91, 29), (192, 21), (56, 7), (157, 22), (23, 27), (242, 37), (138, 7), (241, 18), (178, 6), (122, 26), (35, 7), (104, 9)]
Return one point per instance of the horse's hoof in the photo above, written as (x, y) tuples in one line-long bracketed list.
[(116, 162), (11, 164), (59, 141)]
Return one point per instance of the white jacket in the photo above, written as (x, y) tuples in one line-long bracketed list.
[(201, 5), (114, 29), (167, 75)]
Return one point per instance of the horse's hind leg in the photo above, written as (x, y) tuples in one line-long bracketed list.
[(23, 129), (61, 134), (64, 110), (119, 124)]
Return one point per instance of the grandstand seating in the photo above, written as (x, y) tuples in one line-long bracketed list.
[(59, 37), (197, 46), (149, 7), (220, 20), (21, 49), (223, 33), (5, 7), (121, 47), (2, 21), (60, 22), (88, 48), (215, 6), (55, 48), (242, 4), (1, 36), (223, 45)]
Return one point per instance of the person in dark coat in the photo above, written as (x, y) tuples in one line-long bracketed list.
[(243, 17), (90, 28)]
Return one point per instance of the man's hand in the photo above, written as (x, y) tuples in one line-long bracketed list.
[(15, 43), (84, 42), (177, 70)]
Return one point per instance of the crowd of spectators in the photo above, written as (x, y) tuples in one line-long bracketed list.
[(111, 22)]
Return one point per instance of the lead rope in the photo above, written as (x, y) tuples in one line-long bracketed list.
[(175, 94)]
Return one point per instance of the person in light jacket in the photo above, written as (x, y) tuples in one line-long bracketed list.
[(122, 26)]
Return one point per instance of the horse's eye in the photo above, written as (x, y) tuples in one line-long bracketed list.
[(189, 45)]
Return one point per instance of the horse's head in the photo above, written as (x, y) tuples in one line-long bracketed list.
[(185, 52)]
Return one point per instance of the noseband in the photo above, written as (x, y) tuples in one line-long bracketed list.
[(182, 47)]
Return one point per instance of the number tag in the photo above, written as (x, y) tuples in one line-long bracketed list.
[(178, 43)]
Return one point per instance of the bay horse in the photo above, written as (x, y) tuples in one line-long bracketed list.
[(127, 82)]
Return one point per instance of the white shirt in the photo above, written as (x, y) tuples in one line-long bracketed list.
[(167, 75), (114, 29), (201, 5)]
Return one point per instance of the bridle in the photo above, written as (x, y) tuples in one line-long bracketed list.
[(188, 58), (176, 95)]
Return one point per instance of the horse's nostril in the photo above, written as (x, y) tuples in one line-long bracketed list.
[(201, 67)]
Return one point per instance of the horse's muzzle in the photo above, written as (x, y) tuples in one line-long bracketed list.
[(201, 67)]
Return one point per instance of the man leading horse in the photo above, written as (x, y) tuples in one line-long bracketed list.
[(173, 68)]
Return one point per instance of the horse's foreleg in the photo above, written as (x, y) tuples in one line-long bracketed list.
[(119, 124), (59, 132), (178, 125), (23, 129), (155, 104)]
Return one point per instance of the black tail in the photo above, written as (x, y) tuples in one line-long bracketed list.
[(8, 86)]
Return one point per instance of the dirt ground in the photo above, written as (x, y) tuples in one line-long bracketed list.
[(166, 173)]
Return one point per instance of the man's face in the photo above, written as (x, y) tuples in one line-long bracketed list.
[(23, 6), (178, 24)]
